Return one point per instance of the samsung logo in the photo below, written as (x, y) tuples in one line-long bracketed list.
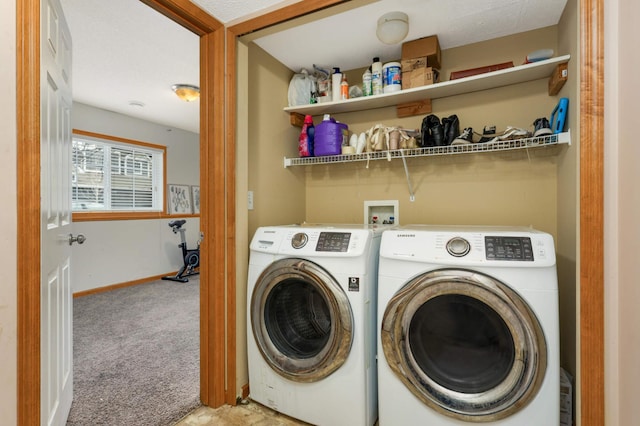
[(406, 235)]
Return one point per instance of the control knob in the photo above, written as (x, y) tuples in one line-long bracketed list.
[(458, 247), (299, 240)]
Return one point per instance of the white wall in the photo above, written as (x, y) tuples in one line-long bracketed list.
[(122, 251), (622, 209), (8, 235)]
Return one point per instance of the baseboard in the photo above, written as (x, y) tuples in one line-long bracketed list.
[(121, 285)]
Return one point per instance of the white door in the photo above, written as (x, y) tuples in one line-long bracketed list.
[(55, 182)]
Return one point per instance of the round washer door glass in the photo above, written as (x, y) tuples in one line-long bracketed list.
[(464, 343), (301, 320)]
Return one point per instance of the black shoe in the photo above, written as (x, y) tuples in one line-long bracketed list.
[(542, 127), (488, 134), (465, 138), (437, 131), (451, 128), (431, 131)]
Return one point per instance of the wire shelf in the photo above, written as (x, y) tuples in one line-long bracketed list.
[(508, 145)]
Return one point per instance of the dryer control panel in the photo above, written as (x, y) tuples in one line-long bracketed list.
[(508, 248)]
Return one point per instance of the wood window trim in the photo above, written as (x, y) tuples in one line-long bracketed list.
[(93, 216)]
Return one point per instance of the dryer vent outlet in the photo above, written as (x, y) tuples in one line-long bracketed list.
[(381, 212)]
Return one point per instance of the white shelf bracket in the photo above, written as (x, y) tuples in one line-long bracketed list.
[(412, 196)]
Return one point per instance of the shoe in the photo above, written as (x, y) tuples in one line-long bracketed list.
[(465, 138), (488, 134), (437, 131), (451, 129), (512, 133), (542, 127), (431, 131)]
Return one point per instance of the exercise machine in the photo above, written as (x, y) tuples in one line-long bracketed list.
[(191, 258)]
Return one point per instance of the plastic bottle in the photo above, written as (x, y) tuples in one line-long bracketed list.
[(329, 137), (344, 88), (305, 140), (336, 79), (376, 77), (392, 77), (366, 83)]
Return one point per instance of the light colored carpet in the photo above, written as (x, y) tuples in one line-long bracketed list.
[(136, 355)]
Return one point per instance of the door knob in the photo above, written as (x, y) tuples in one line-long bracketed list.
[(79, 239)]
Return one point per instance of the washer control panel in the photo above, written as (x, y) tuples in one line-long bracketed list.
[(333, 241), (508, 248)]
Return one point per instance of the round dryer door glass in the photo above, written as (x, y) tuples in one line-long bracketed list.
[(464, 343), (461, 343), (301, 320)]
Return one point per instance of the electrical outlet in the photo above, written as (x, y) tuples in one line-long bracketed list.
[(250, 200)]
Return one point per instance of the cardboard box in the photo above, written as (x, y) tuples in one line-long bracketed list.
[(428, 47), (414, 63), (419, 77)]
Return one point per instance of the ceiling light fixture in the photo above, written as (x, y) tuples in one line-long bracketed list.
[(392, 27), (186, 92)]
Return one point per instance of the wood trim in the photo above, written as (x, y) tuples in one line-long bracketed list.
[(214, 226), (230, 167), (281, 15), (186, 14), (28, 246), (106, 216), (592, 213), (119, 139), (120, 215), (121, 285)]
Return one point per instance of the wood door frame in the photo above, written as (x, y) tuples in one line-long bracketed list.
[(591, 166), (217, 281), (591, 254)]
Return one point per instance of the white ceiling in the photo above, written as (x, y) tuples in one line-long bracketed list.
[(123, 51)]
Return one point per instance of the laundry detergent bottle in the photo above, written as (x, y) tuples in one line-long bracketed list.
[(305, 140)]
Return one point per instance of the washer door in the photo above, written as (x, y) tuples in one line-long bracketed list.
[(465, 344), (301, 320)]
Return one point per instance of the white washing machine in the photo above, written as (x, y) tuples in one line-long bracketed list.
[(468, 327), (311, 318)]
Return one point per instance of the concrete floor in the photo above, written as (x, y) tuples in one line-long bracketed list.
[(250, 413)]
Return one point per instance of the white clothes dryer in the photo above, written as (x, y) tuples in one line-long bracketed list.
[(468, 327), (311, 322)]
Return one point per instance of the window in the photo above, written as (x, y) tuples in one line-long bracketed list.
[(113, 174)]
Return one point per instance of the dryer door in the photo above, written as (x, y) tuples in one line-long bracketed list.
[(465, 344), (301, 320)]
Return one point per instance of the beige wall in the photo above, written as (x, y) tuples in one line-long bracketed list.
[(8, 236), (488, 189), (622, 209)]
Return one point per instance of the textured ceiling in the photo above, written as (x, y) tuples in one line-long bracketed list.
[(123, 51), (348, 40)]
